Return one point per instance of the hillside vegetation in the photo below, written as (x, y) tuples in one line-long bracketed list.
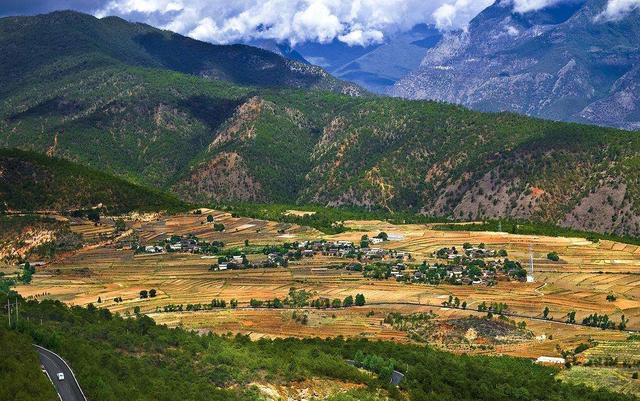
[(116, 358), (34, 182), (210, 140), (76, 42), (20, 376)]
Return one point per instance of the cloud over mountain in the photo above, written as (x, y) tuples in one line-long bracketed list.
[(617, 9), (355, 22)]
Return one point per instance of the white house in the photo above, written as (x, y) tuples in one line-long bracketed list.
[(551, 360)]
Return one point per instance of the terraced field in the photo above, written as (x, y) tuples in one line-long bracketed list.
[(586, 273)]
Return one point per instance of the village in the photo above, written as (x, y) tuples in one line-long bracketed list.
[(469, 265)]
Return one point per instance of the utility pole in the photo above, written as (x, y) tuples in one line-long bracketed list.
[(17, 312), (9, 311)]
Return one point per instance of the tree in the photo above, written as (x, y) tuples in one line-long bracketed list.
[(144, 294), (246, 242), (94, 215), (623, 323), (136, 310), (152, 293), (464, 305), (553, 256), (383, 236), (209, 218), (611, 298), (254, 303), (467, 245), (336, 303), (99, 300), (27, 272), (120, 225), (364, 241), (545, 312), (26, 277), (360, 301), (348, 301), (571, 317)]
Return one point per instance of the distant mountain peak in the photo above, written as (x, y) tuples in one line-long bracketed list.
[(509, 61)]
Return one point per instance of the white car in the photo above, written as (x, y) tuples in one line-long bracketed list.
[(60, 376)]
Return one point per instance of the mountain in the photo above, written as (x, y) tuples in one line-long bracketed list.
[(563, 62), (209, 140), (76, 41), (375, 67), (33, 182), (436, 159), (281, 49)]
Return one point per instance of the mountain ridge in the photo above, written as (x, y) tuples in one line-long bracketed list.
[(115, 40), (209, 140), (557, 63)]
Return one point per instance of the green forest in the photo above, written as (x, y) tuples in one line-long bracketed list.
[(118, 358)]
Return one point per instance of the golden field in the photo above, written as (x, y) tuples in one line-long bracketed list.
[(586, 273)]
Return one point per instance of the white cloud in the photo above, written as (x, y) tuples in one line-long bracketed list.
[(356, 22), (617, 9), (456, 14), (523, 6), (512, 31), (362, 38)]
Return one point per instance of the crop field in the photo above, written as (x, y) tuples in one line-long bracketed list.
[(615, 379), (580, 281)]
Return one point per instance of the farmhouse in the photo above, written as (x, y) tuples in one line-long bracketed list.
[(551, 360), (153, 249)]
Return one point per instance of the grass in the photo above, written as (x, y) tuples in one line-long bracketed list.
[(535, 228), (613, 379), (326, 219)]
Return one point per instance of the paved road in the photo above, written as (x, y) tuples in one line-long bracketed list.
[(68, 389)]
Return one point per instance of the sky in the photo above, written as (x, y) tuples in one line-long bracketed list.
[(355, 22)]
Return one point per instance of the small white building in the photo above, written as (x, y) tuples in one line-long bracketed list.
[(551, 360)]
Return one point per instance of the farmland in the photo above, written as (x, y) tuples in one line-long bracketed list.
[(579, 281)]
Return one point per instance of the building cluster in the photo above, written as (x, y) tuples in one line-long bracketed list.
[(468, 266), (186, 243)]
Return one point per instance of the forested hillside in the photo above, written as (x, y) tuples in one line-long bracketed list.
[(115, 359), (59, 44), (20, 376), (212, 140), (33, 182)]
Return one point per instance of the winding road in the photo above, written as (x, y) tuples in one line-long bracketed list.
[(68, 389)]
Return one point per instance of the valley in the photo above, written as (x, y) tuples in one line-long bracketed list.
[(586, 274), (183, 218)]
